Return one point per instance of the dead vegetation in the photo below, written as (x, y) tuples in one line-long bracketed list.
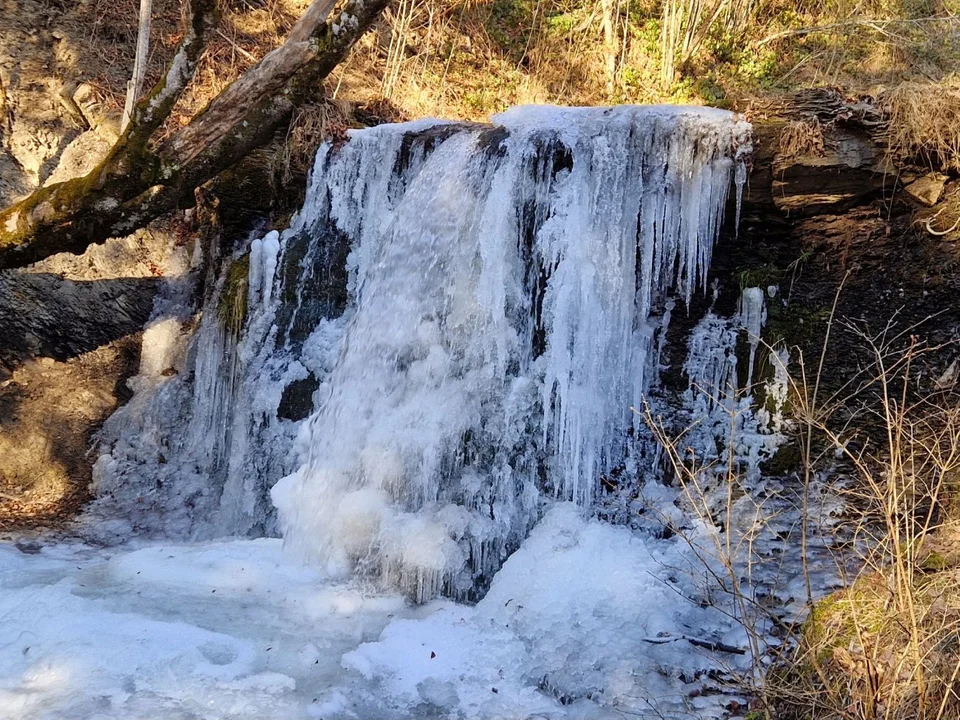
[(48, 410), (148, 172), (924, 123), (469, 60), (310, 126), (466, 59), (99, 38), (801, 137), (886, 646)]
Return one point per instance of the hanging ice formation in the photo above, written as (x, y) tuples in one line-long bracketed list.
[(720, 415), (504, 286), (457, 323)]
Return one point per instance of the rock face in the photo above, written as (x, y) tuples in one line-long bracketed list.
[(840, 216), (844, 174), (57, 316), (70, 330)]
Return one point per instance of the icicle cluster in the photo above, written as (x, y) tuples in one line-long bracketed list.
[(504, 284), (720, 405)]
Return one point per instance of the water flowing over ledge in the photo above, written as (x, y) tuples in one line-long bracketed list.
[(506, 292), (455, 326)]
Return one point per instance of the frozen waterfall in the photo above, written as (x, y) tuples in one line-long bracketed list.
[(506, 285), (456, 325)]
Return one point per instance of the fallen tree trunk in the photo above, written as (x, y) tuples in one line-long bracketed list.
[(141, 179)]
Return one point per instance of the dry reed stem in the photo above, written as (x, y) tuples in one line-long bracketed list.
[(888, 646), (801, 137)]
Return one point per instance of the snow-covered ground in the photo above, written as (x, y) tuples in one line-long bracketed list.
[(586, 620)]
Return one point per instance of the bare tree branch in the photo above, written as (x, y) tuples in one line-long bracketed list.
[(135, 86), (139, 180)]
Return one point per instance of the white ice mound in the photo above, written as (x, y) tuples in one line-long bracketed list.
[(582, 613), (506, 284)]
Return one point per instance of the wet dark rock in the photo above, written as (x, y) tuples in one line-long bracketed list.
[(46, 315), (297, 401)]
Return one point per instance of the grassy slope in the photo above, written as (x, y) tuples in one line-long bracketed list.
[(468, 60)]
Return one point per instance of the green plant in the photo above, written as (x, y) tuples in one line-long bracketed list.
[(561, 24), (757, 65), (761, 276)]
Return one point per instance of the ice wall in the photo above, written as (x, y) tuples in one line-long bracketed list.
[(185, 456), (506, 291), (720, 418)]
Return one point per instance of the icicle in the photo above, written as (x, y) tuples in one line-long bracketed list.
[(255, 276), (271, 249), (740, 180), (721, 418), (775, 391), (753, 316)]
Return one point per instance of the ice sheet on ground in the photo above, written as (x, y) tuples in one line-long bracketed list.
[(238, 629)]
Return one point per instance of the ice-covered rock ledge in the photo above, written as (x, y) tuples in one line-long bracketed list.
[(508, 285), (504, 291), (455, 326)]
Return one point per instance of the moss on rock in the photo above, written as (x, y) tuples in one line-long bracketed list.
[(232, 304)]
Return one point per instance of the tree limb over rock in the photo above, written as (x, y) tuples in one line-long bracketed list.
[(141, 179)]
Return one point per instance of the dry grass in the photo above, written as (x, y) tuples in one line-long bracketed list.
[(106, 32), (887, 647), (468, 59), (856, 658), (106, 36), (311, 125), (925, 122), (801, 137), (248, 30)]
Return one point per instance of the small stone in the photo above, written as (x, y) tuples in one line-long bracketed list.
[(928, 189), (949, 377)]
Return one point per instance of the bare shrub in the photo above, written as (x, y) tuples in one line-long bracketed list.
[(887, 646)]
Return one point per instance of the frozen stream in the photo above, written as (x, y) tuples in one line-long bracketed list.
[(238, 629)]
